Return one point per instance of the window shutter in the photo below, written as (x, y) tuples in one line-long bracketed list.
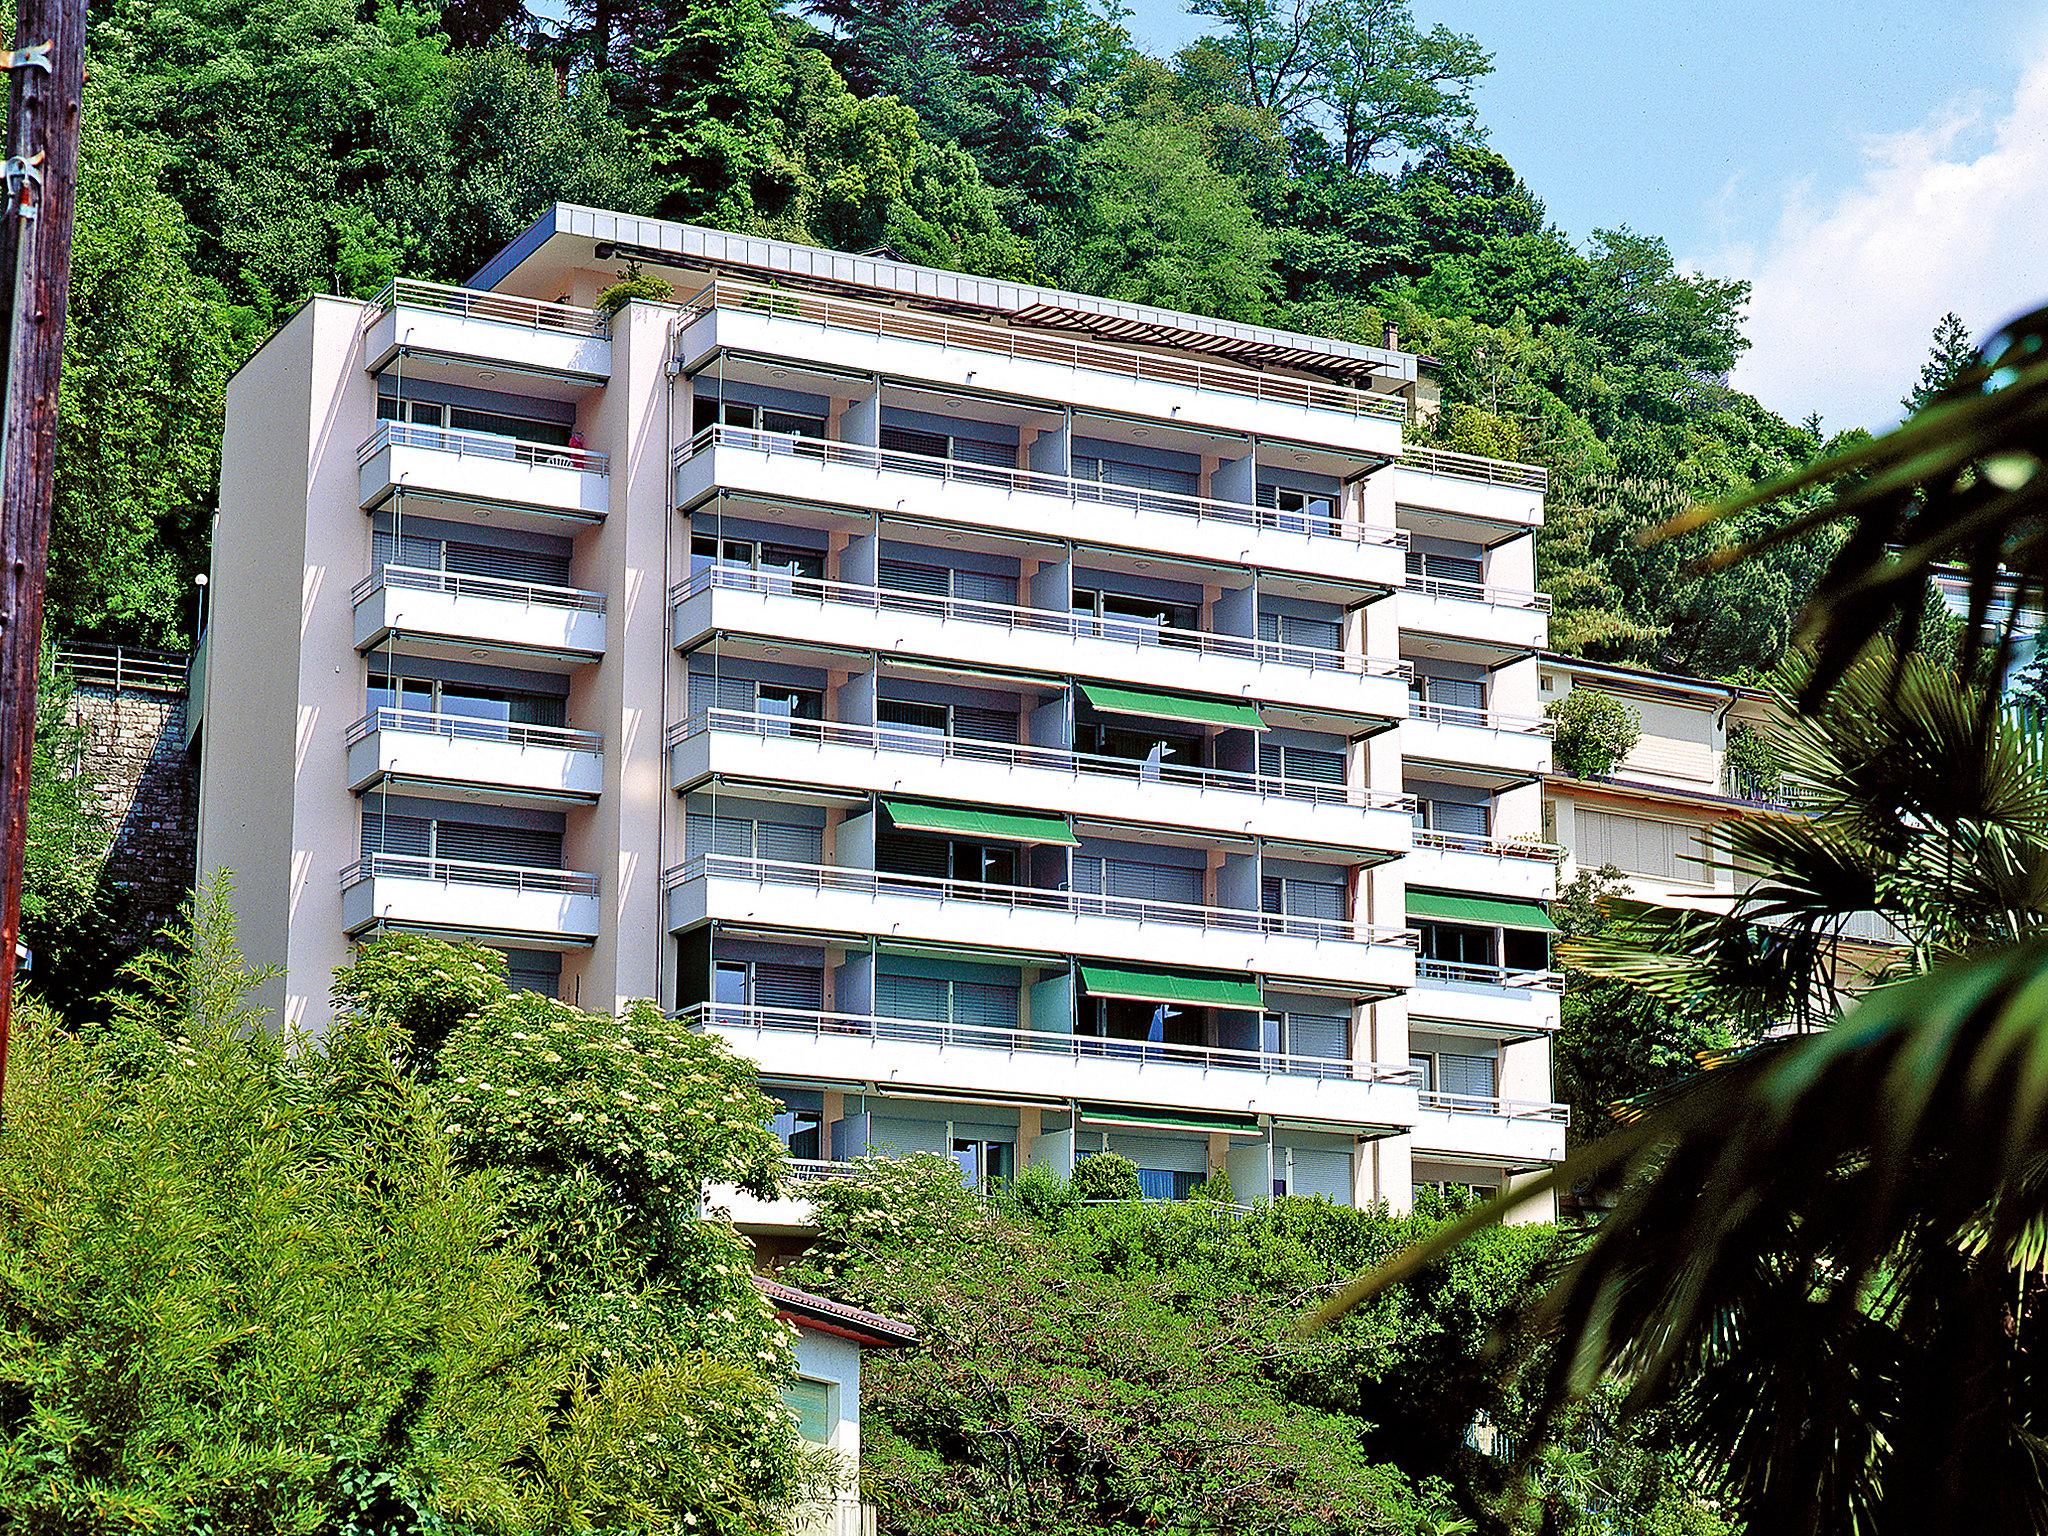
[(498, 845), (910, 440), (973, 451), (709, 692), (1138, 477), (1313, 898), (1316, 764), (981, 724), (1269, 627), (1272, 895), (1321, 634), (984, 1004), (910, 997), (788, 986), (509, 564), (408, 835), (982, 587), (912, 576), (1152, 882), (790, 844), (386, 549), (1455, 692), (1461, 820), (899, 855), (1465, 1075), (1315, 1034)]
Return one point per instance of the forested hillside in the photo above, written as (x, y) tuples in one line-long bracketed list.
[(1318, 164)]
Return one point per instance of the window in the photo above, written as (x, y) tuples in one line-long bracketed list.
[(1322, 1036), (1453, 817), (748, 837), (941, 1000), (1292, 896), (1457, 944), (952, 446), (1314, 765), (1167, 1183), (430, 413), (1122, 616), (425, 838), (1462, 695), (813, 1404), (760, 558), (1301, 511), (705, 412), (485, 706), (982, 1162), (935, 858), (1463, 570), (767, 984), (1294, 629), (908, 722), (1154, 747), (1138, 478), (943, 581), (1132, 880)]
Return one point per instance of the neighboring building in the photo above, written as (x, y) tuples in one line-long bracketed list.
[(1024, 723), (825, 1396)]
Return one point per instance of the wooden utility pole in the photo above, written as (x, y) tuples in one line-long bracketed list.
[(46, 81)]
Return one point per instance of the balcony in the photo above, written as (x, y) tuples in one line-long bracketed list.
[(1498, 618), (1510, 1131), (898, 1054), (777, 467), (837, 614), (849, 336), (533, 908), (436, 612), (1464, 485), (1510, 748), (970, 913), (1489, 997), (775, 749), (459, 757), (432, 323), (1519, 868), (482, 475)]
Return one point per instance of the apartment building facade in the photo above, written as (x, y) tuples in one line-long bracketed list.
[(1024, 724)]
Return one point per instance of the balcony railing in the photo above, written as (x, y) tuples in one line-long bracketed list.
[(881, 322), (1031, 481), (1038, 620), (858, 1026), (124, 668), (1477, 592), (874, 882), (1484, 719), (1462, 973), (479, 445), (1486, 1104), (1492, 847), (469, 728), (901, 738), (531, 594), (498, 308), (1472, 466), (513, 877)]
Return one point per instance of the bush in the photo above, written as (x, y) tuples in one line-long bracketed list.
[(1595, 731), (633, 284), (1105, 1176), (1039, 1196), (1754, 762)]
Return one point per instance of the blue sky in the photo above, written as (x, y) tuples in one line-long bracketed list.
[(1841, 158)]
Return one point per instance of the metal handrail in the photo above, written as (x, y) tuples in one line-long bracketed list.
[(123, 667), (1488, 1104), (817, 1170), (898, 738), (1496, 847), (1036, 482), (876, 882), (923, 326), (428, 722), (1466, 973), (1485, 719), (1038, 620), (534, 594), (481, 304), (464, 443), (1478, 592), (1057, 1043), (517, 877), (1473, 466)]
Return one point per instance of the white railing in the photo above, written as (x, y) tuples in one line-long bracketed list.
[(479, 304), (497, 589), (1477, 592), (426, 722), (479, 445), (1472, 466), (1463, 973), (1492, 847), (1037, 620), (875, 882), (1487, 1104), (1485, 719), (1065, 487), (881, 322), (903, 738), (1047, 1042), (123, 668), (818, 1170), (515, 877)]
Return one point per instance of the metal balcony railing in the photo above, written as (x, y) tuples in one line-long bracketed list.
[(123, 667), (1080, 626), (1476, 592), (1492, 847), (1486, 1104), (1472, 466), (515, 877), (498, 308), (1032, 482), (479, 445), (874, 882), (1484, 719), (530, 594), (1463, 973), (903, 738), (884, 322), (468, 728), (822, 1025)]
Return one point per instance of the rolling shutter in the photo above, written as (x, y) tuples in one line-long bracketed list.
[(1315, 1034), (744, 837), (909, 440), (982, 587), (1316, 765), (980, 724), (911, 576), (910, 997), (1462, 820), (1471, 1075), (984, 1004), (995, 455), (412, 836), (1292, 629), (1132, 881), (708, 692), (925, 856), (1138, 477), (547, 570), (523, 846), (788, 986)]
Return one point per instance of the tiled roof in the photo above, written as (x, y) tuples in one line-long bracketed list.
[(810, 1310)]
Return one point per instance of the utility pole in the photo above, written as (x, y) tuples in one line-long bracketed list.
[(46, 81)]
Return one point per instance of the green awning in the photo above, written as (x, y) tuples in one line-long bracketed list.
[(1171, 987), (1152, 1119), (970, 821), (1444, 907), (1171, 706)]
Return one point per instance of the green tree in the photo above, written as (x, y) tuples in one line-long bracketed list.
[(1948, 355), (1384, 86), (1595, 731)]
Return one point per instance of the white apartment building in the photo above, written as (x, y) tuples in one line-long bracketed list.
[(1025, 724)]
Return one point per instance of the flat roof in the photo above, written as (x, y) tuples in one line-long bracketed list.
[(1643, 677), (658, 241)]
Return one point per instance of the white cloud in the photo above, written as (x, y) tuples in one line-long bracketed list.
[(1952, 214)]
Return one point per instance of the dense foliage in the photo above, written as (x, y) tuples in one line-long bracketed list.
[(1595, 731)]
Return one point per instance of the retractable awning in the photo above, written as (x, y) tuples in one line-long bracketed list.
[(971, 821), (1489, 911), (1170, 987), (1157, 1120), (1172, 706)]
